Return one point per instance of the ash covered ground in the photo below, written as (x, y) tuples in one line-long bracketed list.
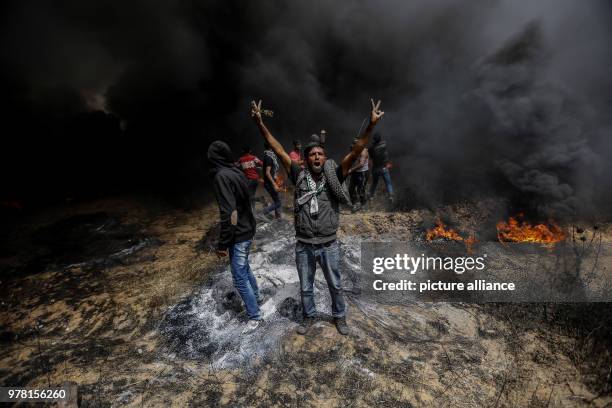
[(125, 298)]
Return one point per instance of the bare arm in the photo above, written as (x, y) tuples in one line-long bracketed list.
[(356, 166), (362, 161), (271, 140), (363, 140)]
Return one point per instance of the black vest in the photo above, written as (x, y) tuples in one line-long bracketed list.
[(321, 227), (380, 157)]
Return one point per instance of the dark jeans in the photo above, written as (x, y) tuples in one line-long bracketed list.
[(252, 189), (357, 188), (244, 281), (384, 173), (328, 256), (276, 205)]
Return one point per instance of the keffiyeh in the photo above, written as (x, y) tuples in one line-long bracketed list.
[(314, 189), (272, 156)]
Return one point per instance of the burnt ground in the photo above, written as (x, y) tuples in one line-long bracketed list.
[(126, 299)]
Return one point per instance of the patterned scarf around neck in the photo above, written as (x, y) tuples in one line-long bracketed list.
[(313, 191), (272, 156)]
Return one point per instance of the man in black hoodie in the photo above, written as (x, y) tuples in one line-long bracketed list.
[(237, 226)]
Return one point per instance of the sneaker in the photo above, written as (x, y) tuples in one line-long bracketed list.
[(305, 325), (250, 326), (341, 325)]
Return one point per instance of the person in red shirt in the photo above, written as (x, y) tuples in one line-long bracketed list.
[(249, 164), (296, 153)]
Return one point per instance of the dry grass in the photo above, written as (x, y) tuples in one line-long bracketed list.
[(98, 329)]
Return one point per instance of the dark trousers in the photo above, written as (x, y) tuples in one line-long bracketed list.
[(252, 189), (276, 204), (357, 188), (376, 175)]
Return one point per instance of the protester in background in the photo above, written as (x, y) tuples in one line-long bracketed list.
[(237, 226), (249, 164), (296, 153), (317, 198), (380, 167), (359, 178), (270, 170)]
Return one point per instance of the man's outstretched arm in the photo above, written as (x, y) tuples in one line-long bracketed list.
[(271, 140), (363, 140)]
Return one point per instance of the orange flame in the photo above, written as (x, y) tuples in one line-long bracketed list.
[(280, 183), (513, 231), (441, 231)]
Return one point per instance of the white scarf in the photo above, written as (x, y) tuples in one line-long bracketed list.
[(313, 191)]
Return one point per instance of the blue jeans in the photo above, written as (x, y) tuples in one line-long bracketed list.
[(244, 281), (328, 255), (276, 205), (376, 174)]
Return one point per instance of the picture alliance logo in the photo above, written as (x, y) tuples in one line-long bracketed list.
[(412, 264)]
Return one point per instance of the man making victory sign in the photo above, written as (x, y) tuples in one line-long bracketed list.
[(316, 208)]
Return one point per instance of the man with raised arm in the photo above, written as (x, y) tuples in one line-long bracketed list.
[(359, 179), (318, 193)]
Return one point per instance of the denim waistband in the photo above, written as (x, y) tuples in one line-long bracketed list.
[(325, 245)]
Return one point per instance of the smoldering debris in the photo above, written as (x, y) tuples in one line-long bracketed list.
[(88, 241), (103, 329), (207, 325)]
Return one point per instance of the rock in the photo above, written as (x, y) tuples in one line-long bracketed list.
[(291, 309)]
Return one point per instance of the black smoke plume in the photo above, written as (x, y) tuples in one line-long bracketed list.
[(480, 96)]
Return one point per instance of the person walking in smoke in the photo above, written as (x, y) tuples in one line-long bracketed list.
[(249, 164), (359, 178), (270, 170), (237, 226), (380, 167), (318, 193)]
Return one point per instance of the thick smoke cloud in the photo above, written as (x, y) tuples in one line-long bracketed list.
[(538, 132), (481, 96)]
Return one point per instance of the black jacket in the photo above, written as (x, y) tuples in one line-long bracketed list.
[(379, 155), (232, 192)]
